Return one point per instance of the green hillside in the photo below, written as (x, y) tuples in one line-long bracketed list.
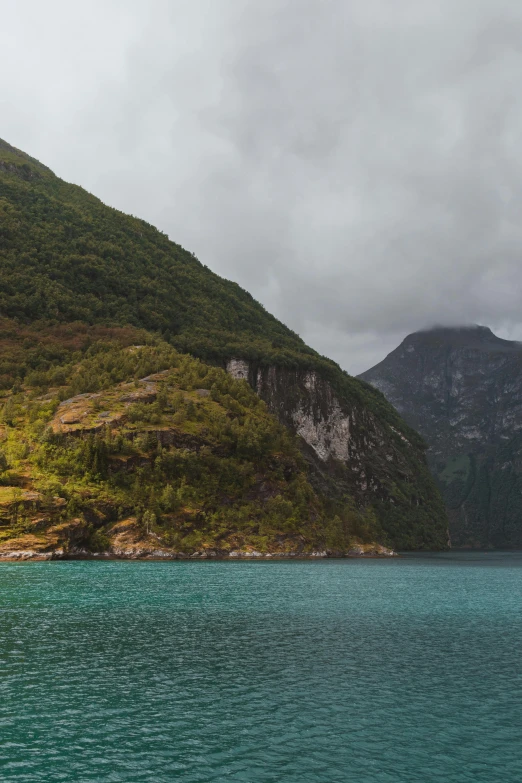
[(75, 274), (68, 257)]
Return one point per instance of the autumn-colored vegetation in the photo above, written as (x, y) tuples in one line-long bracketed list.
[(176, 448)]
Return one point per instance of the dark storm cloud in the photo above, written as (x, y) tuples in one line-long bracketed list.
[(356, 165)]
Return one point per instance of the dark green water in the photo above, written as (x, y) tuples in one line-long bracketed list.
[(364, 671)]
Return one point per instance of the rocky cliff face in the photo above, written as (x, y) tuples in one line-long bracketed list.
[(352, 451), (462, 390)]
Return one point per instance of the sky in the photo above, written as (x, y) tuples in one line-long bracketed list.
[(355, 164)]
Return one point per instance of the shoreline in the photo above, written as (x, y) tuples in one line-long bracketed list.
[(161, 555)]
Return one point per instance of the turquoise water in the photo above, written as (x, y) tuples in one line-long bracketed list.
[(365, 671)]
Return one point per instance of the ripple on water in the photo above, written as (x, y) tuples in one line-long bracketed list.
[(364, 671)]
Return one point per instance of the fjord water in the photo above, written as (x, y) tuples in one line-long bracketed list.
[(378, 671)]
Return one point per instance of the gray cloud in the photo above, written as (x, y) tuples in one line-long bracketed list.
[(355, 164)]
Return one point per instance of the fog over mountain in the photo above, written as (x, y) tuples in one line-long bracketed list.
[(355, 165)]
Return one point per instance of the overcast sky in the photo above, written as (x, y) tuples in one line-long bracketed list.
[(355, 164)]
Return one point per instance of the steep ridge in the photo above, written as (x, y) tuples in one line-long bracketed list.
[(461, 388), (69, 263)]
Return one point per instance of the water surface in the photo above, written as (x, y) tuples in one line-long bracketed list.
[(370, 671)]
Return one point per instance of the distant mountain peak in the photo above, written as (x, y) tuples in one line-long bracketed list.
[(461, 387), (473, 336)]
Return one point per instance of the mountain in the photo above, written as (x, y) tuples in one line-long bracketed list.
[(78, 278), (461, 388)]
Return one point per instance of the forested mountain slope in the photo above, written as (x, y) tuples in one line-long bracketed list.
[(68, 257), (462, 389), (181, 461), (74, 273)]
